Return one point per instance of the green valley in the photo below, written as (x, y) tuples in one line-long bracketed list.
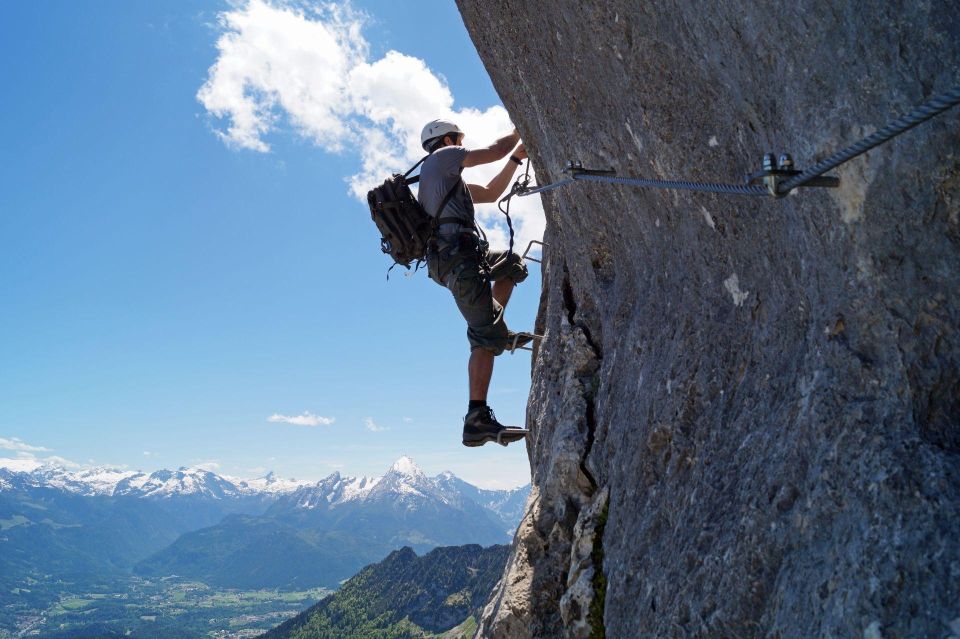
[(151, 609)]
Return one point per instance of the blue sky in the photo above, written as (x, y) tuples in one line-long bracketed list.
[(167, 290)]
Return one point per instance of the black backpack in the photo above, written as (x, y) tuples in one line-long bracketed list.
[(405, 227)]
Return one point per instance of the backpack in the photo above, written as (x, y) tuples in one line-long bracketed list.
[(405, 227)]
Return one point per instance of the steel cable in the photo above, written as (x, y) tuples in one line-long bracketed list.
[(704, 187), (921, 114), (545, 187)]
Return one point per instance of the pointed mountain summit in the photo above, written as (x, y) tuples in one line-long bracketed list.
[(407, 467), (403, 482)]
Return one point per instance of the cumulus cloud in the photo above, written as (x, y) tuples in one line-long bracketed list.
[(373, 426), (61, 462), (306, 67), (19, 465), (17, 444), (26, 458), (209, 465), (306, 419)]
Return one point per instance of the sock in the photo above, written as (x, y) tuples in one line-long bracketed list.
[(476, 403)]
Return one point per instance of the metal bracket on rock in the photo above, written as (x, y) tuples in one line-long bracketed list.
[(775, 173), (526, 253), (575, 168), (515, 345)]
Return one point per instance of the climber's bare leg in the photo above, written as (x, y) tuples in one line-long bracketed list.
[(502, 289), (480, 366), (480, 370)]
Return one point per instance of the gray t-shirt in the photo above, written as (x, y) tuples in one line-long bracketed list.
[(439, 173)]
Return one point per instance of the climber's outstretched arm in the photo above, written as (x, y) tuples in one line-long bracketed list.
[(492, 153), (496, 187)]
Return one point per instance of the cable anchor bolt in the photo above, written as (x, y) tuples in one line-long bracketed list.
[(774, 172), (575, 168)]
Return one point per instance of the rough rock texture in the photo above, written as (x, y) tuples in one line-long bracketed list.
[(746, 412)]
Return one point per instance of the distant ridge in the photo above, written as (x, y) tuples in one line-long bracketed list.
[(105, 481), (403, 596)]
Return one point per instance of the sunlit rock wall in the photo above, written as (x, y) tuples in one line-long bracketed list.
[(746, 411)]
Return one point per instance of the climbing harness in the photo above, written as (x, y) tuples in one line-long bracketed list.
[(776, 178)]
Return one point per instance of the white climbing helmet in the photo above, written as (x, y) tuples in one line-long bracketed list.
[(437, 129)]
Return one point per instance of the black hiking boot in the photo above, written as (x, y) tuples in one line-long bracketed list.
[(480, 427)]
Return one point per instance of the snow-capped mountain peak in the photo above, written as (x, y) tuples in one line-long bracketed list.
[(404, 481), (406, 467), (181, 482), (332, 491), (86, 481), (270, 484)]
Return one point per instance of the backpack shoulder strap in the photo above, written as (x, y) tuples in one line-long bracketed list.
[(448, 197), (416, 178)]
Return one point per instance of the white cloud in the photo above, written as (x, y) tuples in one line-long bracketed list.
[(20, 465), (55, 460), (26, 458), (307, 66), (408, 420), (306, 419), (147, 453), (210, 465), (17, 444), (373, 426)]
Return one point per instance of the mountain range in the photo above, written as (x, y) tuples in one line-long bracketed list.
[(93, 525), (320, 534)]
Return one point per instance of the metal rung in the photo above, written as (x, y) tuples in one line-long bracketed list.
[(511, 432), (526, 256), (516, 337)]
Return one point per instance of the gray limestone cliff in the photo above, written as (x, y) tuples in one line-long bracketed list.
[(745, 413)]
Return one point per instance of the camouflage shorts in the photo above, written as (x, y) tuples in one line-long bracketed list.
[(461, 273)]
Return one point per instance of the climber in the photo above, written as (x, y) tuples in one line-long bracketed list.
[(459, 259)]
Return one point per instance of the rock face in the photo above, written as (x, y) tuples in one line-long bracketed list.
[(746, 412)]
